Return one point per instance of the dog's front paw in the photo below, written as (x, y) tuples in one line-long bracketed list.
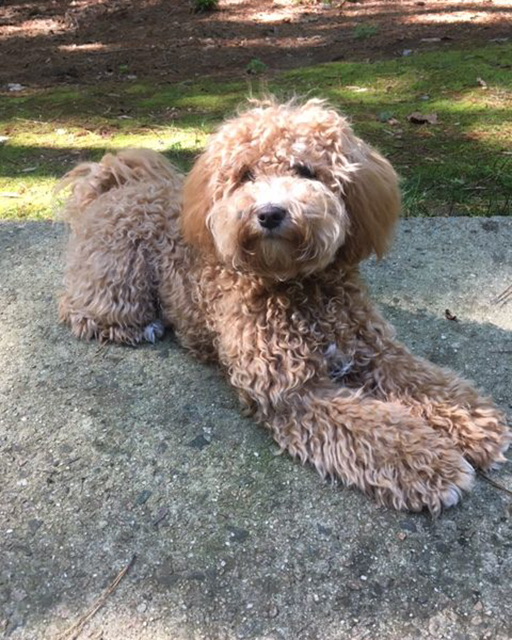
[(434, 481), (480, 431), (486, 437), (416, 467), (380, 447)]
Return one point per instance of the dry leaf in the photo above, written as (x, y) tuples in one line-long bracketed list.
[(449, 315)]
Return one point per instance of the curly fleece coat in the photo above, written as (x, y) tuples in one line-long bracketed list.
[(256, 267)]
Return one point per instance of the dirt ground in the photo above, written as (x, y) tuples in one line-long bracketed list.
[(45, 42)]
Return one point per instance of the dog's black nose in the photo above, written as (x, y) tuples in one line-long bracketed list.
[(270, 216)]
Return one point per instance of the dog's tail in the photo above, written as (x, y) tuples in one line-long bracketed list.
[(89, 180)]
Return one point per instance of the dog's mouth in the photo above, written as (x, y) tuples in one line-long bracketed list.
[(279, 253), (273, 236), (251, 239)]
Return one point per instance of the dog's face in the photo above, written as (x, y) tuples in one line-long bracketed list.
[(282, 190)]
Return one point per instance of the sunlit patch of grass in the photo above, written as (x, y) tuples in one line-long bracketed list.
[(27, 198), (35, 156), (461, 165)]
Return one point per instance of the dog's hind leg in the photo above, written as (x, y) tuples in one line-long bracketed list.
[(110, 295), (122, 213)]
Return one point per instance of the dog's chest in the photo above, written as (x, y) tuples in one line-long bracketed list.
[(333, 328)]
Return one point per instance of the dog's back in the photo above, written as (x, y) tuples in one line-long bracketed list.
[(90, 180)]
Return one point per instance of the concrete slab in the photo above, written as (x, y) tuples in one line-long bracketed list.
[(111, 452)]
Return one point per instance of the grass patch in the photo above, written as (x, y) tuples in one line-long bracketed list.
[(363, 31), (461, 165)]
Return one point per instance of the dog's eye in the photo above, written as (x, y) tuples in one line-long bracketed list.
[(246, 176), (304, 171)]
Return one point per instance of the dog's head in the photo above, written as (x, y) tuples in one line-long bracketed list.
[(284, 190)]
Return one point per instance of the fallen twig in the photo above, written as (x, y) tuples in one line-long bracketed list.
[(504, 296), (74, 631), (494, 483)]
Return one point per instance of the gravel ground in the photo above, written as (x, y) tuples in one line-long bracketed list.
[(112, 452)]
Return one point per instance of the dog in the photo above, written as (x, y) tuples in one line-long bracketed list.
[(252, 259)]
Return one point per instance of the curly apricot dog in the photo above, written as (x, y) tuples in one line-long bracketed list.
[(256, 267)]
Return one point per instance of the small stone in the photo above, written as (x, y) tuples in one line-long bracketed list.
[(246, 629), (200, 576), (162, 447), (272, 611), (237, 533), (325, 531), (478, 606), (143, 497), (199, 442), (34, 525), (18, 595), (141, 608), (63, 612)]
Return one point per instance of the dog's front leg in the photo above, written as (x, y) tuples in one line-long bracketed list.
[(377, 446)]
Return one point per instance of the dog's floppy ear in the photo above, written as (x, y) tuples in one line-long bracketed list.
[(197, 202), (372, 198)]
